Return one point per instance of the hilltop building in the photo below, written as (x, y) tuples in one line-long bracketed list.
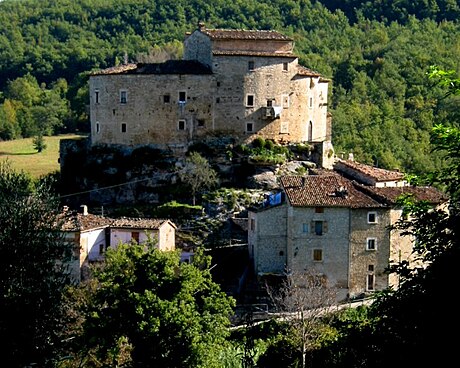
[(241, 84)]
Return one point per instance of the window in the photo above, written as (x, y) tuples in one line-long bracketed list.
[(123, 127), (371, 244), (249, 127), (96, 96), (250, 100), (253, 224), (317, 255), (200, 123), (285, 67), (101, 248), (123, 97), (135, 236), (250, 65), (285, 101), (310, 131), (284, 128), (370, 268), (269, 103), (217, 99), (318, 227), (166, 98), (181, 124), (305, 228), (370, 282), (182, 96), (319, 209), (98, 127), (310, 102), (372, 217)]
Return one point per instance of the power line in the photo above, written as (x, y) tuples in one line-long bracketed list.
[(103, 188)]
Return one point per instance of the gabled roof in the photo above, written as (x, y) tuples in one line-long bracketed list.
[(390, 195), (375, 173), (138, 223), (168, 67), (301, 70), (325, 191), (243, 34), (81, 222)]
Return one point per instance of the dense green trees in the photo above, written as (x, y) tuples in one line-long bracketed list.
[(149, 309), (376, 53), (33, 270)]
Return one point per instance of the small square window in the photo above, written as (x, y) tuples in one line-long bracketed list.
[(250, 65), (284, 128), (166, 98), (318, 227), (285, 67), (319, 209), (182, 96), (249, 127), (250, 100), (181, 124), (123, 127), (370, 268), (371, 244), (123, 97), (317, 255), (372, 217), (200, 123), (285, 101)]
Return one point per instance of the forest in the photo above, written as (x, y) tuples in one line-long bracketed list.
[(377, 54)]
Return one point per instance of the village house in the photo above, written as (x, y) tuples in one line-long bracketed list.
[(335, 227), (241, 84), (92, 235)]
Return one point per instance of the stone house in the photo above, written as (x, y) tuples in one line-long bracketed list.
[(237, 83), (334, 227), (93, 234)]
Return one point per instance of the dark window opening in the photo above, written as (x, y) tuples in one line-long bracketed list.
[(135, 236), (250, 65), (182, 96), (250, 100), (166, 98), (285, 66), (96, 96), (319, 209), (249, 127), (317, 255), (123, 97), (318, 227), (201, 123), (123, 127), (181, 125)]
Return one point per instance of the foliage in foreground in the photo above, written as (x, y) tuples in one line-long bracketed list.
[(33, 271), (147, 309)]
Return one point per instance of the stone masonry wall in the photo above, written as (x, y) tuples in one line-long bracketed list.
[(360, 258)]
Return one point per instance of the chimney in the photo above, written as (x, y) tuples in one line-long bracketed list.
[(84, 209), (201, 26), (351, 157)]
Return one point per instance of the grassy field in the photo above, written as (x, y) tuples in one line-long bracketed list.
[(22, 155)]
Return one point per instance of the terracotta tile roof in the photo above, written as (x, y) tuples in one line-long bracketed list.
[(373, 172), (389, 195), (301, 70), (80, 222), (242, 34), (137, 223), (325, 190), (252, 53), (168, 67)]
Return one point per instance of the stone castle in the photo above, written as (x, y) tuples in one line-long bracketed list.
[(241, 84)]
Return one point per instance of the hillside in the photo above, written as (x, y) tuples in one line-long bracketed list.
[(383, 105)]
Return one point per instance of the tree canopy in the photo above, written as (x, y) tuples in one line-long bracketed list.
[(165, 313)]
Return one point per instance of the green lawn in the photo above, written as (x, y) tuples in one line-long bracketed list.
[(23, 157)]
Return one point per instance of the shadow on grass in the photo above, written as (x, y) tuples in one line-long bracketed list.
[(17, 154)]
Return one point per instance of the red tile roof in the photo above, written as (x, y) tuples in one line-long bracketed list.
[(242, 34), (325, 190), (373, 172), (80, 222), (390, 195), (301, 70), (168, 67)]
